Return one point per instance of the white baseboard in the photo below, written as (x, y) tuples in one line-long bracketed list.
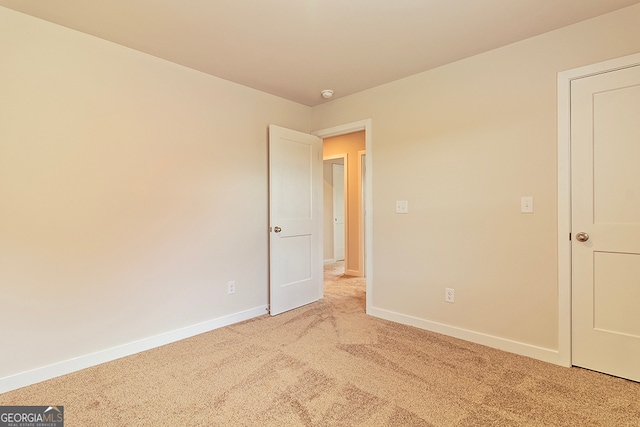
[(523, 349), (37, 375), (329, 261)]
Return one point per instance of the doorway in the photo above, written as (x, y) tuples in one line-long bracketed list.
[(366, 195), (342, 212), (335, 207)]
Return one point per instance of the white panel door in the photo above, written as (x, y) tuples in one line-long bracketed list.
[(338, 211), (295, 217), (605, 151)]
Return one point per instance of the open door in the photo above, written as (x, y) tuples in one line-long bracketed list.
[(339, 185), (295, 219)]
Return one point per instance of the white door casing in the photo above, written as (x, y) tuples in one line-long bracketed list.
[(361, 208), (295, 219), (605, 152)]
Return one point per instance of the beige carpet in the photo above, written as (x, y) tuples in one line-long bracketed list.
[(328, 364)]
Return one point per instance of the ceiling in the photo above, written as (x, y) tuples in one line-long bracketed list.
[(296, 48)]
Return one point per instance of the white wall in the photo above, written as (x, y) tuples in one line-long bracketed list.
[(131, 189), (462, 143)]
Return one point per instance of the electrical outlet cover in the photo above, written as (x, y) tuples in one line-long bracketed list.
[(449, 295)]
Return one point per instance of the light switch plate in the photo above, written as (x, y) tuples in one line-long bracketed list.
[(402, 206), (526, 204)]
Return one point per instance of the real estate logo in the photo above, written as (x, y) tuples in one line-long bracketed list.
[(31, 416)]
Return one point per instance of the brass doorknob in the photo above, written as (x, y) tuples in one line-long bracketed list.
[(582, 237), (277, 229)]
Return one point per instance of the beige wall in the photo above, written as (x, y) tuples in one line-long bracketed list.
[(132, 190), (350, 145), (462, 143)]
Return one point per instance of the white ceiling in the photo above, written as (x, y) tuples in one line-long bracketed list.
[(296, 48)]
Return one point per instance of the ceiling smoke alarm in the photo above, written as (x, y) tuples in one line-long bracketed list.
[(327, 93)]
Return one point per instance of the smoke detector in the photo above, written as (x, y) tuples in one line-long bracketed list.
[(327, 93)]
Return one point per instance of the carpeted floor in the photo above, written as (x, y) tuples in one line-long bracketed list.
[(328, 364)]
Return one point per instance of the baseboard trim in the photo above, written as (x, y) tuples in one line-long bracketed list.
[(329, 261), (523, 349), (37, 375), (355, 273)]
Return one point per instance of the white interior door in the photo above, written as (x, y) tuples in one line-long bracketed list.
[(295, 217), (338, 211), (605, 151)]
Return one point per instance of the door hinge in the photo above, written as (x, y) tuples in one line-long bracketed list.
[(569, 236)]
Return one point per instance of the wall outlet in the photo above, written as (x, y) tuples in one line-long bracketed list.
[(231, 287), (449, 295)]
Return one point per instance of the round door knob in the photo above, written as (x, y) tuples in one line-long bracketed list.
[(277, 229), (582, 236)]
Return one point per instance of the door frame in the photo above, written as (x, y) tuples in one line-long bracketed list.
[(365, 125), (362, 182), (564, 191), (345, 209)]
